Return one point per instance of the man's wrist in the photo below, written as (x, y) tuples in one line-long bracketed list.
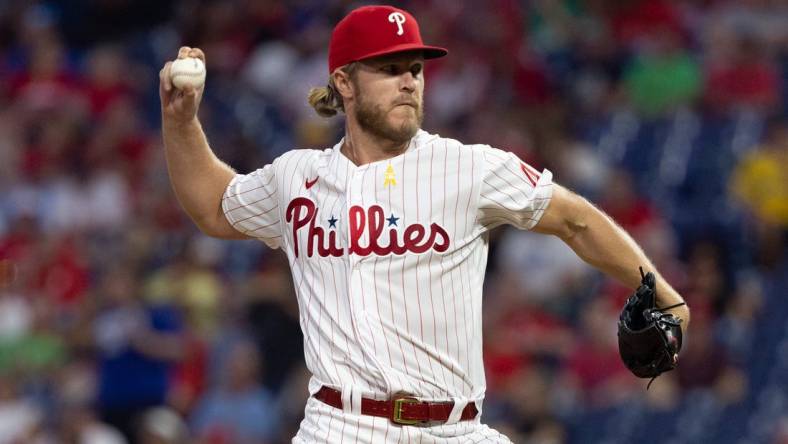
[(180, 124)]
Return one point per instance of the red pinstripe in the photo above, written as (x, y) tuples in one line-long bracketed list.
[(249, 190), (466, 264), (405, 292), (374, 280), (391, 302), (468, 367), (375, 274), (264, 226), (322, 305), (510, 184), (443, 271), (375, 285), (507, 164), (432, 300)]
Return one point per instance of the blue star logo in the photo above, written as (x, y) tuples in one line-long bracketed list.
[(392, 220), (332, 223)]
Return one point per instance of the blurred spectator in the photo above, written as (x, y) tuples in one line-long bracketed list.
[(584, 170), (702, 363), (760, 180), (137, 345), (16, 314), (274, 322), (744, 78), (106, 81), (188, 377), (238, 409), (760, 184), (523, 333), (82, 427), (76, 418), (622, 202), (736, 328), (635, 23), (594, 368), (663, 76), (763, 20), (553, 25), (19, 417), (37, 350), (162, 426), (704, 366), (190, 282), (63, 274), (707, 285), (292, 397), (457, 88), (531, 82), (555, 272), (46, 83), (528, 400)]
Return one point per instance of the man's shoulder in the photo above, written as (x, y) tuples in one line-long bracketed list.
[(298, 158), (425, 139), (304, 153)]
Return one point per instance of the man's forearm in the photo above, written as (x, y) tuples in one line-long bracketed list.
[(198, 177), (598, 240)]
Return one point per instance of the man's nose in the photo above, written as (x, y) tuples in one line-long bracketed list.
[(407, 82)]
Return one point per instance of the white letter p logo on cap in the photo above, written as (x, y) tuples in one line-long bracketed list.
[(399, 19)]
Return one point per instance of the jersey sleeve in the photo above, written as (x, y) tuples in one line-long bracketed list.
[(251, 205), (512, 192)]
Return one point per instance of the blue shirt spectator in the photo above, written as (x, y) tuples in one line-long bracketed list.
[(238, 409)]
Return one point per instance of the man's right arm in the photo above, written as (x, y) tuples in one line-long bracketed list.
[(198, 177)]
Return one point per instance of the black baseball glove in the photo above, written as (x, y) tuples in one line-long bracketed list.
[(648, 338)]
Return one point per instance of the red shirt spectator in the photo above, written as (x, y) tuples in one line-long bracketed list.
[(633, 21), (65, 277), (746, 80)]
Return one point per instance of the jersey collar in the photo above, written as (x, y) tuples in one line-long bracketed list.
[(337, 158)]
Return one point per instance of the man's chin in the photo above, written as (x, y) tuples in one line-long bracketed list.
[(398, 133), (406, 128), (403, 117), (398, 125), (403, 122)]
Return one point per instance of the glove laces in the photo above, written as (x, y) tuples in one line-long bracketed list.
[(659, 314)]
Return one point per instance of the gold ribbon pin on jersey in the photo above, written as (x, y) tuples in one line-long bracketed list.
[(389, 177)]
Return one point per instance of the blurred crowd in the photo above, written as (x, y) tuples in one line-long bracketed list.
[(120, 322)]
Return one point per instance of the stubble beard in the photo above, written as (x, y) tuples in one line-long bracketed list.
[(372, 119)]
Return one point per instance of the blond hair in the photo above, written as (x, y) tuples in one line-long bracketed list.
[(326, 100)]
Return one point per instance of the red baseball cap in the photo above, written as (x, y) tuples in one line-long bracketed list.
[(371, 31)]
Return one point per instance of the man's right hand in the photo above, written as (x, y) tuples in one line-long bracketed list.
[(179, 106)]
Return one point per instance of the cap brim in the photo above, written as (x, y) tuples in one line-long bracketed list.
[(430, 52)]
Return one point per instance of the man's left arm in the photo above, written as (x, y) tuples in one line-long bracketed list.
[(602, 243)]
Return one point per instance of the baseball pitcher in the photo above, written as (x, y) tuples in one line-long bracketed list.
[(386, 234)]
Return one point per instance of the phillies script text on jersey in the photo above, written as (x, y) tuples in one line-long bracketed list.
[(388, 258), (302, 212)]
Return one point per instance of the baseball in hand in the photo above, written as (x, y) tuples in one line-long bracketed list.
[(188, 71)]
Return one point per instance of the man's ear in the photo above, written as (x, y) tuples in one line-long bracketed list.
[(343, 84)]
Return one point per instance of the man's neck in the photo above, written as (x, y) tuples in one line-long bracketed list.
[(362, 148)]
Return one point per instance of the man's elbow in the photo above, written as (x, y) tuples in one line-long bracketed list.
[(572, 228), (574, 220), (565, 216)]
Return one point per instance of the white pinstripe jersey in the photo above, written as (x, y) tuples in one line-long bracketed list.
[(388, 258)]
